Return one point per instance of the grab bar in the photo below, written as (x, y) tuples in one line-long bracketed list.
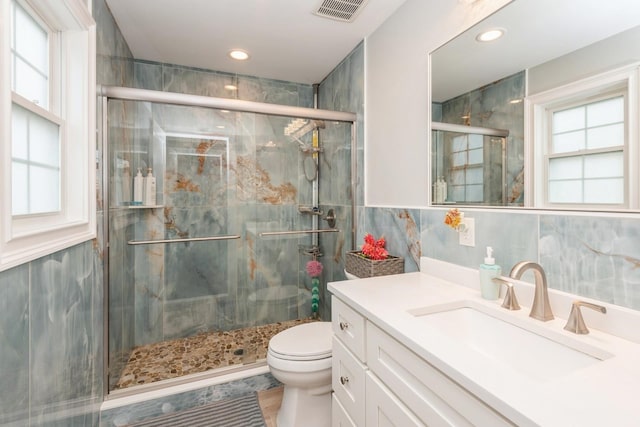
[(190, 239), (279, 233)]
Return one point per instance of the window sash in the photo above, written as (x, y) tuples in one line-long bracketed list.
[(24, 69), (25, 196), (577, 189)]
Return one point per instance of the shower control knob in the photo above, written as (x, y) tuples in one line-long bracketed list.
[(344, 380), (343, 326), (331, 218)]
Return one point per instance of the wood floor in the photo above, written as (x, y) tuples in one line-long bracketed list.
[(270, 403)]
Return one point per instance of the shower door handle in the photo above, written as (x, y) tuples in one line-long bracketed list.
[(189, 239)]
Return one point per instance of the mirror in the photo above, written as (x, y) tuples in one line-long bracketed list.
[(477, 130)]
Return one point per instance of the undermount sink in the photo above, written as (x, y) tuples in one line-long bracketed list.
[(534, 351)]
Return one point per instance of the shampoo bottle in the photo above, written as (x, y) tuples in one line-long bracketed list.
[(126, 184), (444, 190), (138, 189), (488, 289), (149, 189)]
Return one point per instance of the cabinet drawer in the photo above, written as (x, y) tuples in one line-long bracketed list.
[(347, 380), (339, 417), (384, 409), (348, 326), (431, 395)]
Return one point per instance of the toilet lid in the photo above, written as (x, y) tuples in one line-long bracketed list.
[(309, 341)]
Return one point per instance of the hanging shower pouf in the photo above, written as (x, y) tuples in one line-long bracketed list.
[(314, 270)]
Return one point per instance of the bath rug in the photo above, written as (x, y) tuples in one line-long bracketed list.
[(238, 412)]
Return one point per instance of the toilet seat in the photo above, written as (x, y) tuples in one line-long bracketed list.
[(306, 342)]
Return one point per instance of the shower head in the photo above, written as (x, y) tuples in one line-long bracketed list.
[(298, 128)]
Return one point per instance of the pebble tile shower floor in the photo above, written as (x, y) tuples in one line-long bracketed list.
[(199, 353)]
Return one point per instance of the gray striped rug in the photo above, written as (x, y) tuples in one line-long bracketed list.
[(239, 412)]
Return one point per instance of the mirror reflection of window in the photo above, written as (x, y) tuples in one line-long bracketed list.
[(585, 158), (465, 169)]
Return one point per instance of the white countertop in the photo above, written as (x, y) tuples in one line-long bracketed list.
[(605, 393)]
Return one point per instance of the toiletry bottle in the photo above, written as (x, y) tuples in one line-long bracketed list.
[(149, 189), (126, 184), (488, 289), (444, 190), (138, 189), (116, 182)]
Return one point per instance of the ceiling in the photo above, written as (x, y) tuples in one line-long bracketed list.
[(285, 39)]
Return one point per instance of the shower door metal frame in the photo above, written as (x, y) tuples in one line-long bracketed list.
[(143, 95)]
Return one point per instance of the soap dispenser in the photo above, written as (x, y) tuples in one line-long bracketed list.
[(488, 289)]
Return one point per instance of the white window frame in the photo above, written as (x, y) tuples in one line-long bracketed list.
[(27, 237), (537, 131)]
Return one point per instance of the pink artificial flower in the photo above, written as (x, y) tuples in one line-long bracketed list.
[(374, 249)]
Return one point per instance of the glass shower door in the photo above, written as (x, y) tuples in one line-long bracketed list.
[(219, 260)]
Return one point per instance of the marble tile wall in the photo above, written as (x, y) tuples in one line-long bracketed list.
[(51, 340), (591, 256), (341, 90)]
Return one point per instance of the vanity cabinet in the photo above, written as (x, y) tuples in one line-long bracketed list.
[(378, 381)]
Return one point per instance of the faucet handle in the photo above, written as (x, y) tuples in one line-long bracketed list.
[(575, 323), (509, 302)]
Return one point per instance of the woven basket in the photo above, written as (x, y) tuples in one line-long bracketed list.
[(362, 267)]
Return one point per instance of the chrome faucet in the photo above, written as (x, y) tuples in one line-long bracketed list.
[(540, 309)]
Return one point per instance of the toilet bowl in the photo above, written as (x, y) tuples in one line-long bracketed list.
[(300, 358)]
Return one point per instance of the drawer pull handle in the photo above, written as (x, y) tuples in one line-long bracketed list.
[(343, 326), (344, 380)]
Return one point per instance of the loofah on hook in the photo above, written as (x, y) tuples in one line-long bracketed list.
[(314, 268)]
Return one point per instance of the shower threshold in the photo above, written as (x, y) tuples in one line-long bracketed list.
[(207, 352)]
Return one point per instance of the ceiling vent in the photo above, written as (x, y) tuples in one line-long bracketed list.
[(341, 10)]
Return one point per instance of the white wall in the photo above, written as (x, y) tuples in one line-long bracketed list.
[(396, 95), (619, 50)]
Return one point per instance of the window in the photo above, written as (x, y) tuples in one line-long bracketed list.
[(466, 168), (47, 120), (585, 159), (585, 143), (35, 135)]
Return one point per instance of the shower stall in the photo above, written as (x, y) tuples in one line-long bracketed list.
[(469, 165), (246, 194)]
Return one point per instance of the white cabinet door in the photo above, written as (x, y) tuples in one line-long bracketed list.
[(339, 416), (347, 380), (383, 409)]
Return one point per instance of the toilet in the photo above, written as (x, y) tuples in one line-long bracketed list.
[(300, 358)]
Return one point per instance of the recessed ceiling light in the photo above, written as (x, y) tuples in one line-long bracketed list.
[(516, 101), (490, 35), (231, 87), (239, 54), (220, 126)]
